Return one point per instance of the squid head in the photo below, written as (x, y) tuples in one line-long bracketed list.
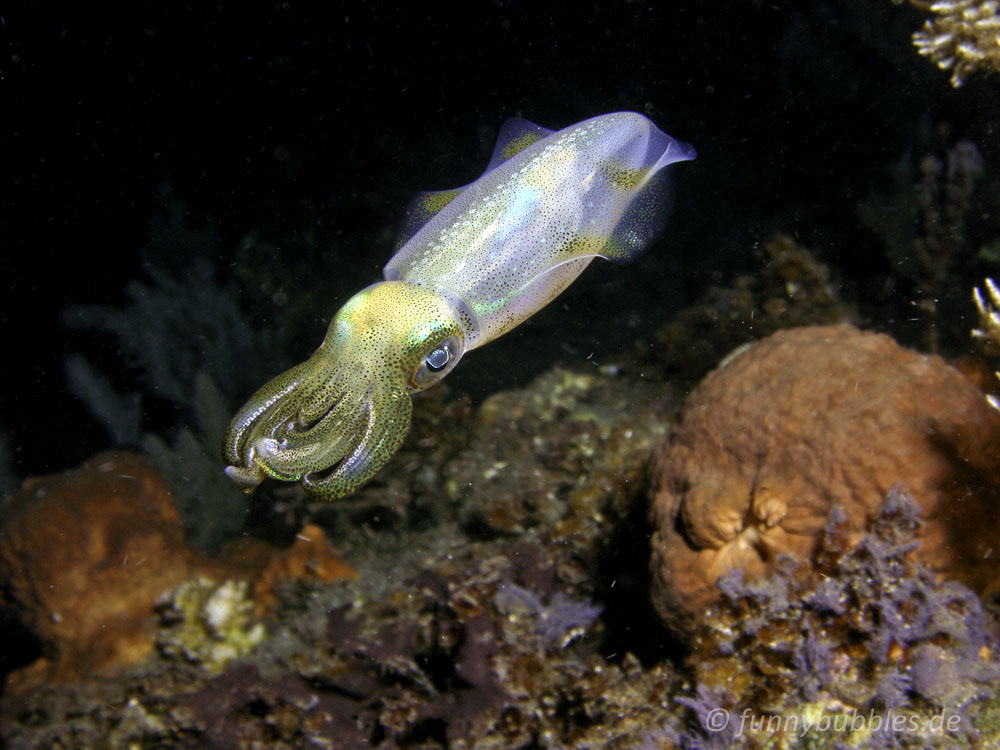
[(334, 419)]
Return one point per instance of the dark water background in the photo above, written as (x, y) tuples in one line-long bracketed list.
[(308, 130)]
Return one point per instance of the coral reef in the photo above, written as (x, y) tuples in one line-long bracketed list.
[(208, 623), (503, 604), (963, 36), (807, 420), (475, 623), (555, 456), (440, 661), (867, 632), (86, 556), (472, 656)]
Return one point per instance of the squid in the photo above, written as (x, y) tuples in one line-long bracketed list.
[(472, 263)]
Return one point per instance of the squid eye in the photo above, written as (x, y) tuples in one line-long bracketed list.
[(438, 359), (436, 364)]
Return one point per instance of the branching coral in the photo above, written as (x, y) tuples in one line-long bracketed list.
[(963, 36), (988, 332)]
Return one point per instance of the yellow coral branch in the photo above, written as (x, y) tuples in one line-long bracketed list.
[(963, 37)]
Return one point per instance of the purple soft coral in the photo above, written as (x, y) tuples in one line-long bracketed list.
[(715, 727), (559, 622)]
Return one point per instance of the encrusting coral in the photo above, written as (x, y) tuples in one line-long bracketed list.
[(963, 36), (807, 420), (85, 555), (207, 623)]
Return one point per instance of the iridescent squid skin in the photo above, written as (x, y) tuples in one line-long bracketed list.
[(472, 264)]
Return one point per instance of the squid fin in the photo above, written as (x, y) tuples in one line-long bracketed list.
[(515, 135), (647, 212), (422, 208)]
